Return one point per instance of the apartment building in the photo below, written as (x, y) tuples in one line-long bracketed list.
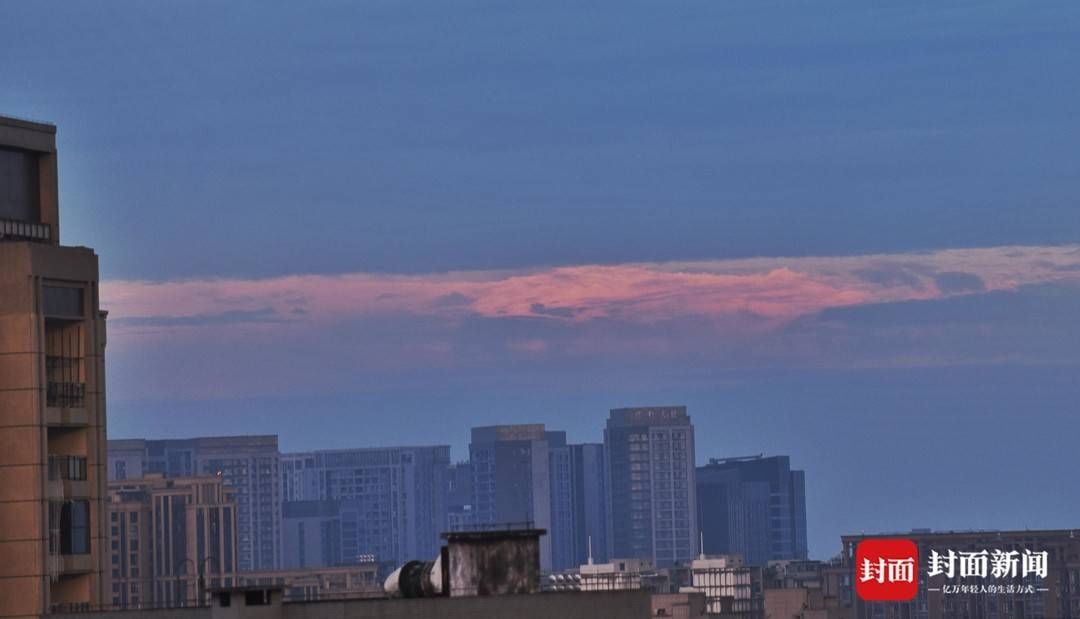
[(52, 391)]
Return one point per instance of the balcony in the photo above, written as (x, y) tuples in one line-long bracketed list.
[(68, 477), (69, 537), (67, 468), (24, 231), (77, 564)]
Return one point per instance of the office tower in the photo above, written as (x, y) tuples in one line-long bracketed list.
[(511, 483), (561, 483), (52, 391), (250, 465), (754, 507), (172, 540), (650, 464), (589, 498), (311, 534), (459, 498), (392, 500)]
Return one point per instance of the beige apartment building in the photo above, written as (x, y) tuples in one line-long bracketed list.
[(52, 395), (171, 540)]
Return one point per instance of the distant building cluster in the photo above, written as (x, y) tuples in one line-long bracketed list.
[(635, 499)]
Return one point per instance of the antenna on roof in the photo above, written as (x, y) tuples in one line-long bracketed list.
[(590, 550)]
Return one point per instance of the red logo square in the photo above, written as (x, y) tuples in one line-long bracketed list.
[(887, 570)]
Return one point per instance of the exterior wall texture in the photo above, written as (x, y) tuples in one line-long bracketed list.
[(391, 502)]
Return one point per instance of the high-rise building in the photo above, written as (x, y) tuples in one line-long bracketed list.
[(561, 484), (650, 467), (171, 540), (511, 481), (754, 507), (589, 497), (249, 465), (52, 391), (459, 498), (311, 534), (391, 500)]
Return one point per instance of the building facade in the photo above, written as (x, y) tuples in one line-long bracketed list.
[(311, 534), (459, 497), (754, 507), (391, 502), (511, 480), (52, 391), (249, 465), (589, 494), (732, 589), (172, 540), (651, 507), (561, 483)]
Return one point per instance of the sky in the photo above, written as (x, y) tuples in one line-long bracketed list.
[(843, 231)]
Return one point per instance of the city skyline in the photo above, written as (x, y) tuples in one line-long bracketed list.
[(840, 232)]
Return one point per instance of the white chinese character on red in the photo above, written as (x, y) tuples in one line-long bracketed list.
[(887, 570)]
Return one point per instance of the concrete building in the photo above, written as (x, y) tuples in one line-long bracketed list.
[(802, 603), (754, 507), (250, 465), (269, 603), (52, 391), (1055, 597), (345, 582), (652, 500), (391, 501), (511, 480), (732, 589), (171, 540), (615, 575), (803, 589)]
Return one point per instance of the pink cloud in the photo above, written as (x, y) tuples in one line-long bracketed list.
[(319, 332), (774, 288)]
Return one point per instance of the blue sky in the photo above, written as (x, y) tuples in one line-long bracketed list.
[(846, 231)]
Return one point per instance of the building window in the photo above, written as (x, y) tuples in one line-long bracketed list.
[(63, 301), (256, 598), (75, 528)]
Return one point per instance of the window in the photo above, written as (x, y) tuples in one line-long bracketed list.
[(63, 301), (256, 598), (75, 528), (19, 199)]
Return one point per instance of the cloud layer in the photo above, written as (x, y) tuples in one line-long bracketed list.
[(766, 311)]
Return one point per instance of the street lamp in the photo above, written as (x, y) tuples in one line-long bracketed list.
[(201, 591), (176, 569)]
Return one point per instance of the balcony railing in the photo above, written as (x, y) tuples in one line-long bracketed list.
[(69, 468), (24, 231), (66, 395)]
